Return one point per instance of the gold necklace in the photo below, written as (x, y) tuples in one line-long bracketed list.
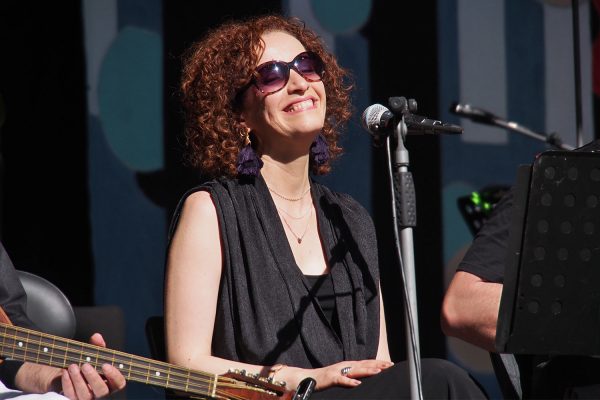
[(299, 238), (290, 198), (293, 216)]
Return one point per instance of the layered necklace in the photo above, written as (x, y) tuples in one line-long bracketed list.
[(290, 198), (299, 217), (298, 237)]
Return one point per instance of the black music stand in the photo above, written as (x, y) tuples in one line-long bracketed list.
[(551, 297)]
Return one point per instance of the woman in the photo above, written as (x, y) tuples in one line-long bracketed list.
[(269, 271)]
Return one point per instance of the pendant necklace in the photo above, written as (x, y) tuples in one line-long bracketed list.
[(304, 214), (299, 237)]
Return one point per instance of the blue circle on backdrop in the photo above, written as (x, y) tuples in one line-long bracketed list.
[(342, 16), (130, 99)]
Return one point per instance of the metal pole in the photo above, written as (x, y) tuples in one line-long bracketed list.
[(577, 68), (406, 253)]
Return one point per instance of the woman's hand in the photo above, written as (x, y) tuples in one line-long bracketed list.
[(346, 373)]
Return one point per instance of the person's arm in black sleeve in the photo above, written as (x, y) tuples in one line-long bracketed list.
[(76, 382), (14, 302), (472, 301), (12, 295)]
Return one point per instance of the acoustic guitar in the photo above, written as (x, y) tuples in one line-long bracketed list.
[(28, 345)]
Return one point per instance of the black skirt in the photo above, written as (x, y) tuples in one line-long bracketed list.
[(441, 380)]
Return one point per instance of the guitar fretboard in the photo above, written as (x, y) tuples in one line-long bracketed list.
[(28, 345)]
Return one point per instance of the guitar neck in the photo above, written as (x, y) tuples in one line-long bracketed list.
[(40, 348)]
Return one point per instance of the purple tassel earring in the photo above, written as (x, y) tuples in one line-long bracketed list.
[(319, 151), (248, 162)]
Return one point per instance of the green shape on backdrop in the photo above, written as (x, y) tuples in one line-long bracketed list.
[(342, 16), (130, 99)]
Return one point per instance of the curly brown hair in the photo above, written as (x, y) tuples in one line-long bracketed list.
[(220, 66)]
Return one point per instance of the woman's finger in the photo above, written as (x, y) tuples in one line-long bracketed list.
[(362, 372), (346, 381), (381, 364)]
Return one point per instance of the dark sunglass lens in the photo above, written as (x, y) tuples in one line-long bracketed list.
[(310, 65), (271, 77)]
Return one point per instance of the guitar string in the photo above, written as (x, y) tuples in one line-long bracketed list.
[(148, 379), (96, 351), (112, 357), (62, 359), (145, 377), (174, 383), (174, 372)]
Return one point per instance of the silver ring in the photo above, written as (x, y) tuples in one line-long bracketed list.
[(345, 370)]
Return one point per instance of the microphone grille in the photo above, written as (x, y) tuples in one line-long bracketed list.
[(461, 109), (371, 117)]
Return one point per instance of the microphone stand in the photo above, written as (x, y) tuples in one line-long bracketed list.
[(404, 219), (552, 139), (487, 118), (577, 70)]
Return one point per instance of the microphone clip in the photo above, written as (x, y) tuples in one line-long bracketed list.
[(399, 121), (404, 110), (401, 106)]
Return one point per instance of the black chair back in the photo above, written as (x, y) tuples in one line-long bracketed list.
[(47, 306)]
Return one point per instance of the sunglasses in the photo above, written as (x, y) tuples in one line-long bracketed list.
[(272, 76)]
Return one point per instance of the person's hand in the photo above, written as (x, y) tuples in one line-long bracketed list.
[(86, 383), (346, 373)]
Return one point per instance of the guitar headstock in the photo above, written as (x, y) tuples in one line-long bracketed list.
[(263, 388), (241, 384), (256, 380)]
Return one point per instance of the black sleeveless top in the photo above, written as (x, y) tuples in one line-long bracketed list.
[(321, 288), (266, 313)]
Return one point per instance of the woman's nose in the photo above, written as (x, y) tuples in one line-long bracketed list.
[(297, 82)]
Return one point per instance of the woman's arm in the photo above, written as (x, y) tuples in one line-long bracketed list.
[(383, 350), (194, 270), (192, 285)]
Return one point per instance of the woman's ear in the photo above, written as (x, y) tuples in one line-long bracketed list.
[(243, 123)]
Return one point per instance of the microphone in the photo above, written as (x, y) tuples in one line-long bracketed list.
[(474, 113), (377, 119)]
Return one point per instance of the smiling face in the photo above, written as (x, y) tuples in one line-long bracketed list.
[(292, 115)]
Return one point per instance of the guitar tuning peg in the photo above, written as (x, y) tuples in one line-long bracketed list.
[(270, 379), (262, 379), (243, 372), (280, 383)]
